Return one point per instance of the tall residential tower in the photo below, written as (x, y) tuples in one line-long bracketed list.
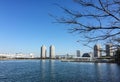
[(43, 52), (97, 52), (109, 51), (52, 52)]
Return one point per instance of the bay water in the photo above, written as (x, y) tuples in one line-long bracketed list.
[(57, 71)]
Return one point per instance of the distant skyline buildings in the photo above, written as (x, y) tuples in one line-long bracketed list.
[(97, 52), (18, 55), (109, 51), (52, 51), (78, 53), (43, 54), (43, 51)]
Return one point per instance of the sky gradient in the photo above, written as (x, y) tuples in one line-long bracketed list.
[(25, 25)]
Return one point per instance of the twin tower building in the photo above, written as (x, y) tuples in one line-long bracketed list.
[(44, 52), (98, 50)]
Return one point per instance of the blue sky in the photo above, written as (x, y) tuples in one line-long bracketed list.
[(25, 26)]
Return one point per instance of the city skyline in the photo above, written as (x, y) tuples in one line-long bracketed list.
[(25, 25)]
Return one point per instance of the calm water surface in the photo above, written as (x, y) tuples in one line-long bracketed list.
[(56, 71)]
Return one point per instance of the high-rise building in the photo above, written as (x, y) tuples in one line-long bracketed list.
[(78, 53), (97, 52), (43, 52), (52, 52), (109, 50)]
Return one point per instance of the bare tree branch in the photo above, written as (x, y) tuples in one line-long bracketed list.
[(98, 30)]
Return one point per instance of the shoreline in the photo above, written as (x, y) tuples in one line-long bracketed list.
[(26, 59), (2, 59)]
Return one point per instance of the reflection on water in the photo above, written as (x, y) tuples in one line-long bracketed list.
[(56, 71), (98, 70), (107, 72), (47, 70), (51, 67), (42, 69)]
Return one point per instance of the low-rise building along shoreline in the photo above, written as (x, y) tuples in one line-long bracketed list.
[(99, 60)]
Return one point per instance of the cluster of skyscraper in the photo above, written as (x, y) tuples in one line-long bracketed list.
[(98, 51), (44, 52)]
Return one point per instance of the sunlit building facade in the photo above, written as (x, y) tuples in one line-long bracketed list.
[(43, 51), (97, 52), (52, 51)]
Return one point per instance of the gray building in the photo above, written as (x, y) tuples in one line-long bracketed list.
[(52, 52), (109, 51), (78, 53), (43, 51), (97, 52)]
